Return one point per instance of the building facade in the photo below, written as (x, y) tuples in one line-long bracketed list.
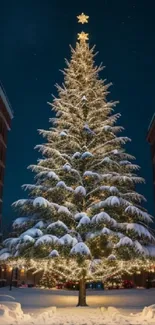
[(5, 123)]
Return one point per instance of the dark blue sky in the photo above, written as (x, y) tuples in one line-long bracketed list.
[(35, 37)]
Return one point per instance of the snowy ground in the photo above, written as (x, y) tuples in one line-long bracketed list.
[(34, 299), (106, 307)]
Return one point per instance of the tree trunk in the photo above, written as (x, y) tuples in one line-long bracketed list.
[(82, 293)]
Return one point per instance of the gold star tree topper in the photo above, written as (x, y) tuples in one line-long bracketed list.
[(83, 36), (82, 18)]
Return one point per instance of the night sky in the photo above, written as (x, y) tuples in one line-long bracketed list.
[(34, 40)]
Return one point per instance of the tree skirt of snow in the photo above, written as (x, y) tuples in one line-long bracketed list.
[(11, 314)]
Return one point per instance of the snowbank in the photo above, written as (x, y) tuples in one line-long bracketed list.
[(11, 314)]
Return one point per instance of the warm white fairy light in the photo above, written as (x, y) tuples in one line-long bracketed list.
[(70, 269)]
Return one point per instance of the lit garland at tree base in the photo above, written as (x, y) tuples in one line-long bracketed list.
[(69, 269)]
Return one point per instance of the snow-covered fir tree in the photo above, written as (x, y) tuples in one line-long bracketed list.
[(83, 210)]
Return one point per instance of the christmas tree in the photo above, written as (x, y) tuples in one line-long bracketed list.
[(47, 281), (83, 213)]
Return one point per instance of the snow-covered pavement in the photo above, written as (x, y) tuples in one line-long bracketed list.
[(31, 299), (55, 307)]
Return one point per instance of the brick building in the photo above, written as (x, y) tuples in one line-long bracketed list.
[(5, 122)]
